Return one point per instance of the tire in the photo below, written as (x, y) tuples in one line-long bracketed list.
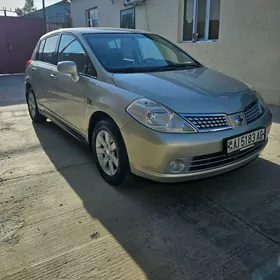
[(33, 107), (122, 175)]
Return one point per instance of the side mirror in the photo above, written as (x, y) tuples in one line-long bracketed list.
[(69, 67)]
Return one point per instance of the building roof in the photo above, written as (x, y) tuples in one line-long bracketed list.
[(60, 6)]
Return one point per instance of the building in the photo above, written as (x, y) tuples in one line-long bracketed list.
[(58, 15), (238, 37)]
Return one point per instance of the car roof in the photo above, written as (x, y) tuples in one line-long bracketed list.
[(88, 30)]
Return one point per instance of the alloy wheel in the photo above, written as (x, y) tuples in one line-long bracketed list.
[(32, 105), (106, 152)]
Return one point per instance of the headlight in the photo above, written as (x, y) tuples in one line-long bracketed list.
[(261, 101), (158, 117)]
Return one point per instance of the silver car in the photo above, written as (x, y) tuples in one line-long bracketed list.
[(143, 105)]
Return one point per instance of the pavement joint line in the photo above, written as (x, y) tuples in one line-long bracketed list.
[(44, 173), (238, 218)]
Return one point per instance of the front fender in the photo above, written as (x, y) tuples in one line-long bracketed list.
[(109, 99)]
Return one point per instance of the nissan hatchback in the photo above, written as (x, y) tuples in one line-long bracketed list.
[(143, 105)]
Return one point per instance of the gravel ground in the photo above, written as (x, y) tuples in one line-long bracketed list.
[(59, 220)]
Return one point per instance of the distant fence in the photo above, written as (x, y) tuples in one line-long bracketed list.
[(58, 20), (19, 35)]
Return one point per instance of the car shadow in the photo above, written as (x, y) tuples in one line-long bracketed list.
[(182, 231), (275, 113)]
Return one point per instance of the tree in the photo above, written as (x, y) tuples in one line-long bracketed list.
[(27, 8), (19, 12)]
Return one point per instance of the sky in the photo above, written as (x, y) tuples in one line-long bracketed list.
[(20, 3)]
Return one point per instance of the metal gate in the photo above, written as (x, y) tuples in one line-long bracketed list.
[(58, 20), (18, 37)]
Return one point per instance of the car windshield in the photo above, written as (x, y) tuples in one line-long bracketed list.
[(133, 52)]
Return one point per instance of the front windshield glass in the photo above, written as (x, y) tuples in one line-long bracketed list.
[(131, 52)]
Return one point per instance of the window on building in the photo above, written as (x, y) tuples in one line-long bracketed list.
[(201, 20), (49, 54), (128, 18), (92, 17), (71, 50)]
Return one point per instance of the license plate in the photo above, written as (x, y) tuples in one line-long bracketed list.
[(245, 141)]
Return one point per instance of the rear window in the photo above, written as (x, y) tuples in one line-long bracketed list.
[(49, 52)]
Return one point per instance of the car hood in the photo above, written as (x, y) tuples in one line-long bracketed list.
[(199, 90)]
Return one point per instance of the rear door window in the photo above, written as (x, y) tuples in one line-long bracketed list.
[(49, 53)]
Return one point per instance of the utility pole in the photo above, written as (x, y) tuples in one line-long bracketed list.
[(44, 15)]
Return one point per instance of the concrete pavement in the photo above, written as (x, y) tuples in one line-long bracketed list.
[(60, 220)]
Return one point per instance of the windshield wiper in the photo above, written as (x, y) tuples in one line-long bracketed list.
[(185, 65), (168, 67), (141, 69)]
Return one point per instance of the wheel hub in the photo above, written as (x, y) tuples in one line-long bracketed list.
[(106, 152), (32, 105)]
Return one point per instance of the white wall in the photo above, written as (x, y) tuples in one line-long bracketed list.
[(248, 45), (108, 14)]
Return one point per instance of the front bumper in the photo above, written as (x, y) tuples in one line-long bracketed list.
[(150, 152)]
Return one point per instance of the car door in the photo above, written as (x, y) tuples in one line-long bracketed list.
[(35, 65), (69, 101), (42, 68)]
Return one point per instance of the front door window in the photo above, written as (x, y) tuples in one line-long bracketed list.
[(71, 50)]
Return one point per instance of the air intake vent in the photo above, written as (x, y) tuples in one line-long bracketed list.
[(253, 111), (216, 160)]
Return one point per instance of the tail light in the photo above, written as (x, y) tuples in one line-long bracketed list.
[(28, 62)]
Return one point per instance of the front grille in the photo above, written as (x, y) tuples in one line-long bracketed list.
[(205, 162), (253, 111), (208, 122)]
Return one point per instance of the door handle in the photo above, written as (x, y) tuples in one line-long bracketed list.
[(88, 101), (33, 69), (53, 76)]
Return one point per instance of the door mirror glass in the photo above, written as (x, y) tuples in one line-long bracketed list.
[(69, 67)]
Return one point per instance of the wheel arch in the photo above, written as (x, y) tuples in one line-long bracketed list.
[(125, 174), (95, 118), (27, 87)]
